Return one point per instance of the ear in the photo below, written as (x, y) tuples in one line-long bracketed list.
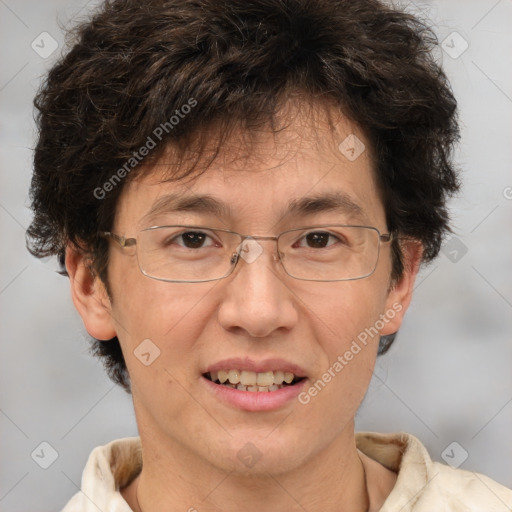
[(89, 296), (400, 293)]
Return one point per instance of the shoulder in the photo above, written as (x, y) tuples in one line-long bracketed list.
[(108, 469), (423, 485), (469, 491)]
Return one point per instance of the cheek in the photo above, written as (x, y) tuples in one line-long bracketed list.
[(158, 327), (344, 310), (347, 349), (170, 315), (347, 317)]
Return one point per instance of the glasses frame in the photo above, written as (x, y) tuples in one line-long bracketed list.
[(125, 242)]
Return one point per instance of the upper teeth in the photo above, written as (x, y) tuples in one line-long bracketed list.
[(247, 378)]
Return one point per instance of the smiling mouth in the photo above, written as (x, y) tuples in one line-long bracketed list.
[(244, 380)]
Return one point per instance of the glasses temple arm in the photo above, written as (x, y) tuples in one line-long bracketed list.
[(121, 240)]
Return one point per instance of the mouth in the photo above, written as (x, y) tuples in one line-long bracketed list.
[(245, 380)]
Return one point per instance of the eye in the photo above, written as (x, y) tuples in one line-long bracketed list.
[(317, 240), (193, 240)]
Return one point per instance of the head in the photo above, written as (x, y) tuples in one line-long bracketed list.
[(257, 105)]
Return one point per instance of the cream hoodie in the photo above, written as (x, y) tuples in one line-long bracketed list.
[(421, 486)]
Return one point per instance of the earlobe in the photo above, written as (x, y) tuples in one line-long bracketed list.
[(400, 295), (89, 296)]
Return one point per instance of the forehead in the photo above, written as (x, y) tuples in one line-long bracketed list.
[(313, 165)]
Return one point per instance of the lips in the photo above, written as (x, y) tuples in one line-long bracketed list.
[(254, 398)]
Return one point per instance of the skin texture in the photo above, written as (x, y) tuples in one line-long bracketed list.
[(190, 440)]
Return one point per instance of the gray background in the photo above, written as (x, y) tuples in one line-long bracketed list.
[(446, 379)]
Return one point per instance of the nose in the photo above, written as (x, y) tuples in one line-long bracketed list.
[(257, 298)]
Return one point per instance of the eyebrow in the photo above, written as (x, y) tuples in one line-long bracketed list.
[(194, 203), (337, 202)]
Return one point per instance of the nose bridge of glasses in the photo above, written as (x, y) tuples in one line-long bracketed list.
[(250, 247)]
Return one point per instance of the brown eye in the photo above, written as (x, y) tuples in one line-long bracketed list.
[(318, 239), (193, 239)]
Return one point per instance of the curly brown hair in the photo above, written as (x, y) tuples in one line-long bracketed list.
[(134, 64)]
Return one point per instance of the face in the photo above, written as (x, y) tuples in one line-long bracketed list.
[(258, 319)]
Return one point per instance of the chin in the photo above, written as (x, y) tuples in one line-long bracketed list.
[(260, 454)]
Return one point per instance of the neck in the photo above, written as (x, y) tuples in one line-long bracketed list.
[(173, 478)]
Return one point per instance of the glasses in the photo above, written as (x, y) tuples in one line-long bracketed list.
[(193, 254)]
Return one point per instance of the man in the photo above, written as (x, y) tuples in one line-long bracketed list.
[(241, 194)]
